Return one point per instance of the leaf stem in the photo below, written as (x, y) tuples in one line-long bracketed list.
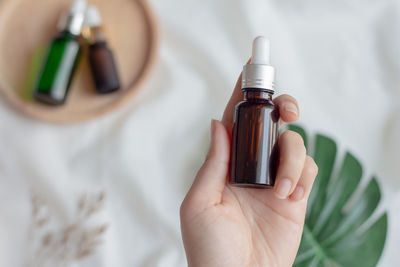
[(319, 252)]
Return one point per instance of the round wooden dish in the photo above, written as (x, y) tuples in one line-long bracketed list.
[(27, 26)]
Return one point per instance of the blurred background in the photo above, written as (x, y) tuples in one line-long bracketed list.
[(107, 192)]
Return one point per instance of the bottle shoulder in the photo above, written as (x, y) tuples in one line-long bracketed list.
[(256, 103), (66, 36), (102, 45), (257, 108)]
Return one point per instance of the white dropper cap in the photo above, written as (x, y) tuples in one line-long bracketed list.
[(78, 6), (261, 51), (72, 21), (259, 74), (93, 17)]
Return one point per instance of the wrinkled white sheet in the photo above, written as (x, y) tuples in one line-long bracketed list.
[(339, 58)]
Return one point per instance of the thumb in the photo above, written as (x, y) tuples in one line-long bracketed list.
[(210, 181)]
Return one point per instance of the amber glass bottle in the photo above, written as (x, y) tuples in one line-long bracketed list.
[(254, 140), (103, 67), (254, 152), (101, 58)]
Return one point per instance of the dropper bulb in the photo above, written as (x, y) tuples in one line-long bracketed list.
[(78, 6), (261, 51), (93, 17)]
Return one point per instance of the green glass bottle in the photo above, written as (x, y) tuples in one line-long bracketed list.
[(62, 59)]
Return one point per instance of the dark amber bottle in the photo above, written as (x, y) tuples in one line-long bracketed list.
[(254, 152), (254, 140), (101, 58), (104, 69)]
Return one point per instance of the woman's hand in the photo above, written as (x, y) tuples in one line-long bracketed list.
[(230, 226)]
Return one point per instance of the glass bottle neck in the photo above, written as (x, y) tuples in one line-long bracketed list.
[(94, 34), (251, 94)]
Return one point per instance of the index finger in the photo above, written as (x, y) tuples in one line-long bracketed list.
[(288, 108)]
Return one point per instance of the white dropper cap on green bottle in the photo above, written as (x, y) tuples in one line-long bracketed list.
[(73, 20), (259, 74), (78, 6)]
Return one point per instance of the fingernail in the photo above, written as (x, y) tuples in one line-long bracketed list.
[(298, 193), (289, 106), (283, 188)]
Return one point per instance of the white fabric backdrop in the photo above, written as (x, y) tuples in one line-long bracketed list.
[(339, 58)]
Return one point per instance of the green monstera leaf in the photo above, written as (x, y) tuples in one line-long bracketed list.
[(338, 230)]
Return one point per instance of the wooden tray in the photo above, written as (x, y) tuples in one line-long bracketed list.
[(27, 26)]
